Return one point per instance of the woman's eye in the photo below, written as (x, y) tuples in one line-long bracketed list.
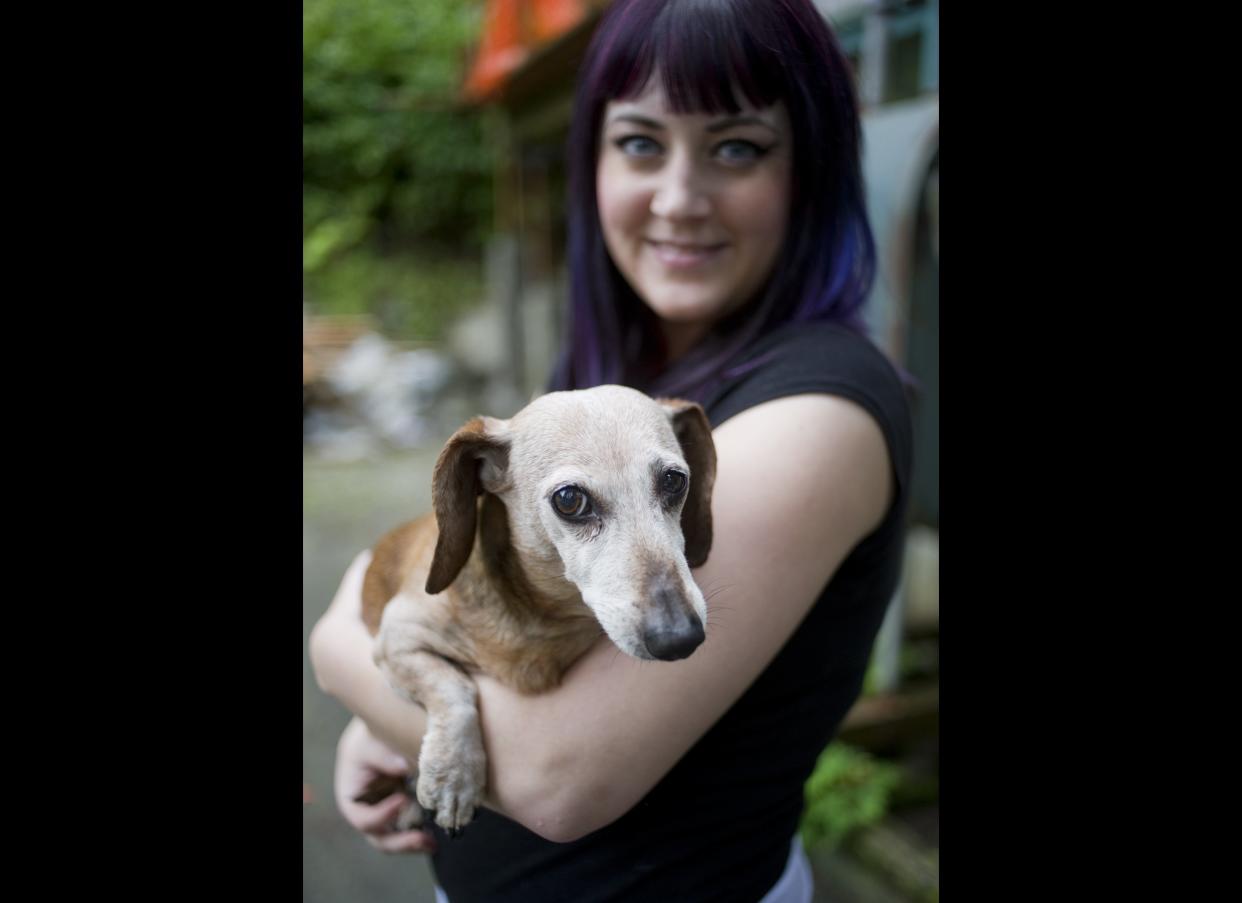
[(638, 146), (674, 482), (739, 151), (570, 501)]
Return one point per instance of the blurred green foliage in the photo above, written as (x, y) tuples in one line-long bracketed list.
[(848, 789), (411, 296), (396, 170)]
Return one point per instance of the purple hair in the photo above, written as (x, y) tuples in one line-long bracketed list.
[(704, 51)]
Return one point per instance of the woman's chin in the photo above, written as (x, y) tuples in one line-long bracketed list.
[(686, 308)]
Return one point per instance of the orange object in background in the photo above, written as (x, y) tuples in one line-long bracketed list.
[(500, 50), (555, 17), (511, 29)]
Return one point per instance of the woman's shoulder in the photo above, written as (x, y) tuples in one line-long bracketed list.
[(808, 359), (803, 358)]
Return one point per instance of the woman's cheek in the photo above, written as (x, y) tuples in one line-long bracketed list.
[(622, 213), (620, 203)]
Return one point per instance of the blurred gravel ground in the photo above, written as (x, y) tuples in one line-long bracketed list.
[(345, 508)]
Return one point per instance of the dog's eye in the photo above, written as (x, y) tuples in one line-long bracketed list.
[(674, 482), (570, 501)]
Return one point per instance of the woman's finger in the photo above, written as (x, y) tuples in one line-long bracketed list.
[(377, 819)]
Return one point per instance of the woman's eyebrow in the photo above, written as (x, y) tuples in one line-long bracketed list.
[(733, 121), (637, 120), (718, 126)]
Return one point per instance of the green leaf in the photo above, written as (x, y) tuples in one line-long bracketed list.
[(848, 789)]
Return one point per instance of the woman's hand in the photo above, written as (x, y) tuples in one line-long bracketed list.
[(361, 763)]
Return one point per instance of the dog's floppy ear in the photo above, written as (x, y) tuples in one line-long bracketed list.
[(475, 459), (694, 433)]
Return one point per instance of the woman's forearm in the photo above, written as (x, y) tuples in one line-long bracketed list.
[(340, 654)]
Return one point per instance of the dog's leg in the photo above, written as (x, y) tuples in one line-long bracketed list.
[(452, 767)]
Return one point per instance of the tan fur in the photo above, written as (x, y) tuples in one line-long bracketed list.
[(497, 582), (394, 558)]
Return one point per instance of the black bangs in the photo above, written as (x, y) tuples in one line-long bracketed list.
[(705, 52)]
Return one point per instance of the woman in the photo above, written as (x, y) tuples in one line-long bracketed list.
[(719, 250)]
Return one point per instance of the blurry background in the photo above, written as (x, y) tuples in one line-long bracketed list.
[(433, 290)]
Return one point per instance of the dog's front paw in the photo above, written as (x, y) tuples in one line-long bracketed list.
[(452, 772)]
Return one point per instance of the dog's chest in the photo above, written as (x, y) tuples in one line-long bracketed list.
[(531, 656)]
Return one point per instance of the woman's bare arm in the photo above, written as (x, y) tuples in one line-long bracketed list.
[(800, 480), (340, 655)]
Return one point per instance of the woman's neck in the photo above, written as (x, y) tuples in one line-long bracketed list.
[(679, 338)]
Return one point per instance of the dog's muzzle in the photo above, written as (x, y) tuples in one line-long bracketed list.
[(671, 629)]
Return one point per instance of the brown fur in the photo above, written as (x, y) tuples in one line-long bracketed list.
[(454, 486), (395, 557), (694, 432)]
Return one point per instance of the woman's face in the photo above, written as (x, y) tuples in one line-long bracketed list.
[(693, 207)]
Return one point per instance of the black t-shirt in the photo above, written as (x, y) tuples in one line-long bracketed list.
[(717, 827)]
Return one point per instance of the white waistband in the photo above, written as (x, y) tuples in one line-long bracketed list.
[(795, 884)]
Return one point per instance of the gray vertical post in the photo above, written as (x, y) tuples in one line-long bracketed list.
[(886, 656), (929, 61), (873, 80), (517, 335)]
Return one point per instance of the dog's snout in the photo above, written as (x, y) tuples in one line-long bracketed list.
[(671, 628), (670, 643)]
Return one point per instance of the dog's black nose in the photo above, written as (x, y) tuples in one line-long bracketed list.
[(670, 642)]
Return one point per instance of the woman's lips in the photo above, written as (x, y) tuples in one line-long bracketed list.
[(680, 255)]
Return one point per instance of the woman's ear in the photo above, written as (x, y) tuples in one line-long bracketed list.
[(475, 459), (694, 434)]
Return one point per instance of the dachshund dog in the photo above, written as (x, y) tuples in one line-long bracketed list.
[(581, 514)]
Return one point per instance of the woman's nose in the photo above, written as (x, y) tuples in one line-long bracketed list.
[(680, 193)]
